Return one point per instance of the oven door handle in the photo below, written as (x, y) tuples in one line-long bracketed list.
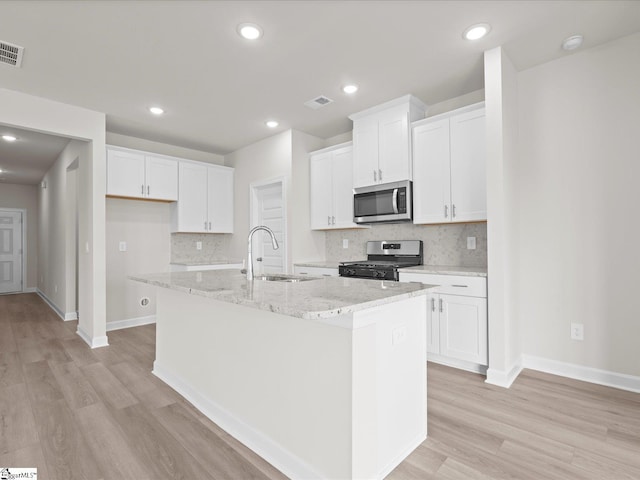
[(394, 200)]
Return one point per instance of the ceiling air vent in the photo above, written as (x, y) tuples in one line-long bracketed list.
[(11, 54), (318, 102)]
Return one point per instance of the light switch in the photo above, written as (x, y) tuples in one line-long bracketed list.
[(122, 246), (471, 243), (345, 243), (198, 245)]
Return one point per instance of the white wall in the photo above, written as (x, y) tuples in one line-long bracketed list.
[(163, 148), (144, 226), (577, 206), (25, 197), (42, 115)]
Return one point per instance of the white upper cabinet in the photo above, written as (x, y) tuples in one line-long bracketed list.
[(331, 188), (449, 162), (135, 174), (382, 141), (205, 203)]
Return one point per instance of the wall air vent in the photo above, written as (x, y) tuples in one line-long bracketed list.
[(11, 54), (318, 102)]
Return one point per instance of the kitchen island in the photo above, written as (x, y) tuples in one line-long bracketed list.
[(324, 378)]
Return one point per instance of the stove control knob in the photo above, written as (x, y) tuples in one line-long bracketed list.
[(378, 273)]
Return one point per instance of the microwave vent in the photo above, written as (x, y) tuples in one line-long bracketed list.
[(318, 102), (11, 54)]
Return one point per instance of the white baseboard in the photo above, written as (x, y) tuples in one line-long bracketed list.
[(49, 302), (503, 378), (70, 316), (271, 451), (405, 453), (30, 290), (130, 322), (461, 364), (93, 342), (580, 372)]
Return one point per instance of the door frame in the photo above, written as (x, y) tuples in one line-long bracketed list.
[(23, 248), (253, 211)]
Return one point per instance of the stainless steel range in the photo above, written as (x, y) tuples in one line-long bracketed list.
[(384, 258)]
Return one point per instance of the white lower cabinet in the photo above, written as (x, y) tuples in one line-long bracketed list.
[(315, 271), (456, 320)]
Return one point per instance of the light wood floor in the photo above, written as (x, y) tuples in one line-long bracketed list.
[(99, 414)]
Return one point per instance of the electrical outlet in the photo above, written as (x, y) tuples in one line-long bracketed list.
[(471, 243), (55, 288), (577, 331), (198, 245), (345, 243), (122, 246), (399, 335)]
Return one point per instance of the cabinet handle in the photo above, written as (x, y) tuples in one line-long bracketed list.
[(379, 174), (328, 220), (141, 189), (446, 211), (375, 176), (460, 286), (333, 220), (453, 211), (148, 190), (433, 304), (440, 302), (205, 225)]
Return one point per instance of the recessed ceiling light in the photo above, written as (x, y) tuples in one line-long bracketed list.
[(477, 31), (9, 138), (271, 123), (349, 89), (156, 110), (573, 42), (250, 31)]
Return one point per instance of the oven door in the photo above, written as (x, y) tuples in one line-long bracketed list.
[(390, 202)]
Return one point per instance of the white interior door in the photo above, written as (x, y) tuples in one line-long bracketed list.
[(10, 251), (268, 210)]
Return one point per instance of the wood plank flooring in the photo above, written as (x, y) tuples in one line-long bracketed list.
[(99, 414)]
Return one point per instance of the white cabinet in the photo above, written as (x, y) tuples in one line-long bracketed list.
[(205, 201), (331, 188), (449, 163), (135, 174), (181, 267), (315, 271), (456, 319), (382, 141)]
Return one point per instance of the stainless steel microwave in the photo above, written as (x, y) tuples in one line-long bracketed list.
[(389, 202)]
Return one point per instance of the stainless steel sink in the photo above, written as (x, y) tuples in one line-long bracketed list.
[(282, 278)]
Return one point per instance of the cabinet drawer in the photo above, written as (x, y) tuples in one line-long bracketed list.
[(315, 271), (450, 284)]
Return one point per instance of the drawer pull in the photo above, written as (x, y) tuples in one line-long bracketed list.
[(460, 286)]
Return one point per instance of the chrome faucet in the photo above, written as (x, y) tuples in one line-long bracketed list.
[(274, 242)]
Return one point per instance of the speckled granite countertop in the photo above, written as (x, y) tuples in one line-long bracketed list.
[(320, 298), (447, 270), (323, 264)]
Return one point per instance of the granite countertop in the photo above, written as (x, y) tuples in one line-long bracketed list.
[(320, 298), (323, 264), (447, 270), (209, 262)]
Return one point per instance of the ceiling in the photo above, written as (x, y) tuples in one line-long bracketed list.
[(218, 89)]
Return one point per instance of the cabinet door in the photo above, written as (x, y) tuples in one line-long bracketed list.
[(468, 167), (125, 174), (161, 178), (463, 328), (431, 176), (393, 144), (342, 174), (433, 324), (220, 200), (320, 188), (365, 152), (192, 198)]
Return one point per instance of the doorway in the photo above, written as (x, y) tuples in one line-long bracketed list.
[(11, 250), (268, 208)]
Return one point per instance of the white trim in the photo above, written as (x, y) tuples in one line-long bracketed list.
[(64, 316), (130, 322), (23, 247), (455, 363), (70, 316), (580, 372), (95, 342), (387, 469), (30, 290), (264, 446), (503, 378)]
